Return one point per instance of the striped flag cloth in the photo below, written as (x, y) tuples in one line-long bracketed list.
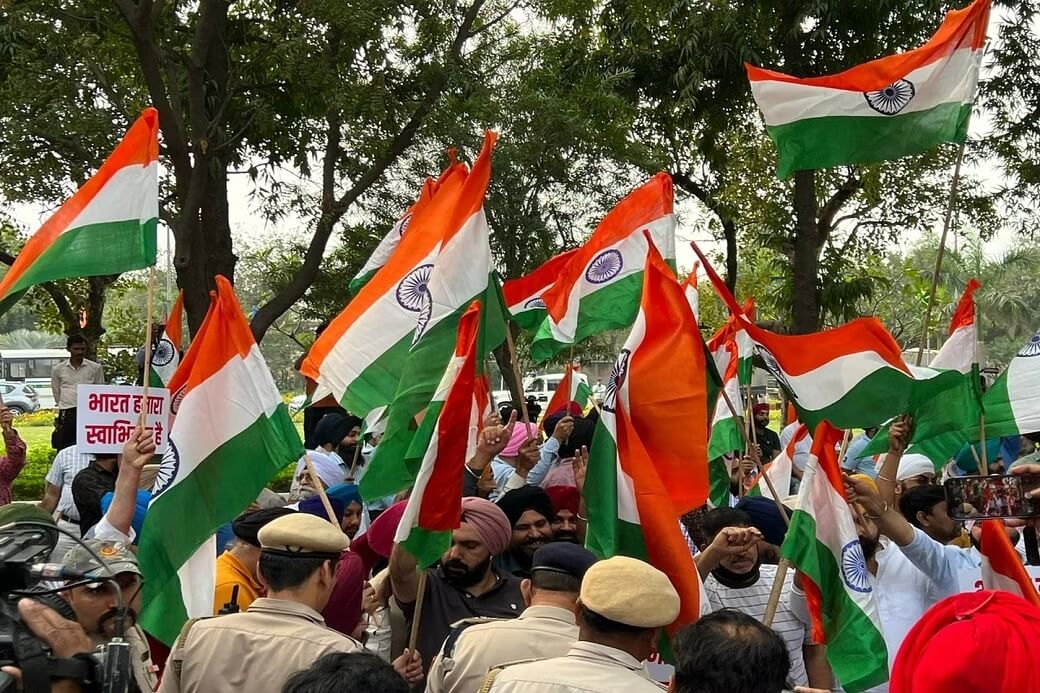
[(571, 389), (448, 434), (888, 108), (732, 350), (1012, 402), (166, 355), (598, 289), (960, 350), (779, 470), (648, 461), (107, 227), (692, 294), (230, 435), (823, 544), (524, 295), (1002, 568)]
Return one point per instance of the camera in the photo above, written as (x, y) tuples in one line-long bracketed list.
[(24, 550)]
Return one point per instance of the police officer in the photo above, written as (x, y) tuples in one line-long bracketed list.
[(547, 628), (623, 604), (278, 635)]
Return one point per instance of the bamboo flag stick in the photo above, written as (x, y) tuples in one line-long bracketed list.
[(774, 594), (413, 637), (519, 381), (844, 446), (147, 346), (950, 206)]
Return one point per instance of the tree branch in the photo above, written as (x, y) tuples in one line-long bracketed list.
[(68, 315)]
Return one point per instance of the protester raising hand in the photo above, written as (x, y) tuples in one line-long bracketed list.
[(729, 542), (580, 466), (490, 442), (563, 430)]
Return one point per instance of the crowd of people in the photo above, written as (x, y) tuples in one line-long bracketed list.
[(312, 594)]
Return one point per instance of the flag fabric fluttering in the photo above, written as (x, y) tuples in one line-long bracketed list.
[(388, 244), (885, 109), (524, 295), (692, 294), (231, 434), (648, 461), (853, 376), (598, 289), (732, 350), (166, 355), (1002, 567), (1012, 402), (107, 227), (571, 389), (960, 350), (823, 544), (448, 436), (779, 470)]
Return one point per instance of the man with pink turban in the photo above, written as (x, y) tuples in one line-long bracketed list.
[(512, 466), (464, 584)]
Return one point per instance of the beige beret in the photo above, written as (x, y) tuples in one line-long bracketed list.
[(630, 591), (300, 533)]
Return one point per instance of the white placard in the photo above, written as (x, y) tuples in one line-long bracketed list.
[(106, 416), (971, 580)]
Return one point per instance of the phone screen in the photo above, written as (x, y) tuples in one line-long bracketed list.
[(976, 497)]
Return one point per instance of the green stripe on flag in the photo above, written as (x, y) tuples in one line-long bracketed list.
[(814, 143), (719, 483), (725, 437), (215, 492)]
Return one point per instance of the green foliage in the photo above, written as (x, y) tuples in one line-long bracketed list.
[(40, 417), (22, 338), (30, 483)]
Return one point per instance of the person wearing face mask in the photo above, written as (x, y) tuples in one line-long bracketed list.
[(278, 635), (735, 578), (97, 604)]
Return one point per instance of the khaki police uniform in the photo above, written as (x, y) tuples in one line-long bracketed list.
[(257, 650), (476, 645), (587, 666)]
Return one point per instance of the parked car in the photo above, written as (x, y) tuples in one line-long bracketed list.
[(541, 387), (19, 397)]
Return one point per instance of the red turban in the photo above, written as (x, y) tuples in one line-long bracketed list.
[(759, 408), (977, 641), (564, 498)]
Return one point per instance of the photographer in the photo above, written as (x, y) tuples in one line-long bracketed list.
[(96, 604), (65, 639)]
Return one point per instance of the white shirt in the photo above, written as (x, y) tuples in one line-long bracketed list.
[(67, 464), (65, 378), (752, 601), (801, 448)]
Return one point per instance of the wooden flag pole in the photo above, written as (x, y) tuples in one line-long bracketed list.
[(774, 594), (519, 381), (319, 488), (758, 462), (950, 206), (844, 446), (751, 416), (984, 462), (413, 637), (147, 346)]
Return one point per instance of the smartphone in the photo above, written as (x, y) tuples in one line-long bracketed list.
[(981, 497)]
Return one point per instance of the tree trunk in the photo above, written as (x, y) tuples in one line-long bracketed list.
[(805, 314), (729, 230), (505, 365), (92, 328)]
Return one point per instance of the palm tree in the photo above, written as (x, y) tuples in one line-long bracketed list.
[(31, 339)]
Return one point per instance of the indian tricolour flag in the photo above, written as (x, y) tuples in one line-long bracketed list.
[(571, 389), (448, 434), (852, 376), (822, 543), (1012, 402), (166, 355), (885, 109), (439, 266), (230, 435), (524, 295), (960, 350), (693, 296), (648, 461), (598, 289), (779, 470), (107, 227), (1002, 567), (732, 350), (388, 244)]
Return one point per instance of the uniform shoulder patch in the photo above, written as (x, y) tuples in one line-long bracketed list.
[(493, 672)]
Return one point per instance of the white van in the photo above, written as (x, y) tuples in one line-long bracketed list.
[(541, 387)]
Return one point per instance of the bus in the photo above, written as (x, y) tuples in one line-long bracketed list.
[(33, 367)]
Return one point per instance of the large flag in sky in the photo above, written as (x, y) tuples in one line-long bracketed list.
[(884, 109), (648, 460), (571, 389), (1002, 567), (441, 292), (388, 244), (960, 350), (853, 376), (166, 355), (823, 544), (448, 436), (1012, 403), (231, 434), (598, 289), (107, 227), (524, 295), (439, 266)]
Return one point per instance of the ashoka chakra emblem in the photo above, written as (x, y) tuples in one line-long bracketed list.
[(163, 353), (892, 99), (402, 225), (854, 567), (177, 398), (413, 293), (617, 378), (1032, 347), (171, 462), (605, 267), (535, 302)]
